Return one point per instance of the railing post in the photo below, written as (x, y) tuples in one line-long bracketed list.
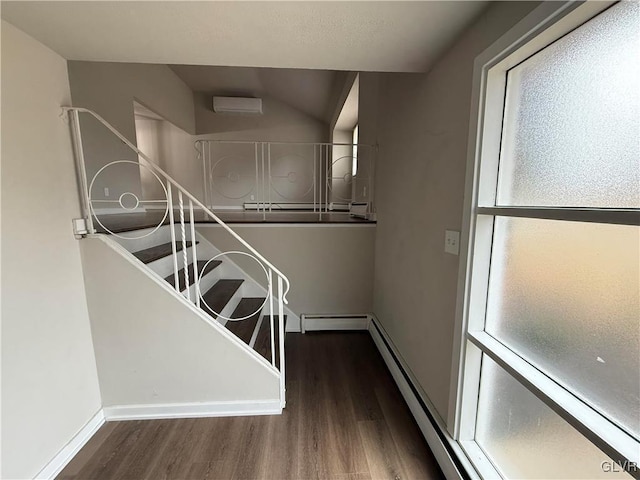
[(185, 255), (81, 171), (320, 180), (205, 181), (269, 164), (210, 172), (327, 176), (257, 197), (283, 401), (271, 329), (315, 180), (196, 278), (173, 237), (372, 178), (264, 195)]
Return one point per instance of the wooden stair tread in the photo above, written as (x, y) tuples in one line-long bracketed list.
[(263, 341), (157, 252), (243, 329), (201, 263), (219, 295)]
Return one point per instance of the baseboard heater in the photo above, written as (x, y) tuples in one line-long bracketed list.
[(325, 322), (333, 206), (450, 458)]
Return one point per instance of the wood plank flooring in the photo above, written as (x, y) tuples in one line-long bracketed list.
[(345, 420)]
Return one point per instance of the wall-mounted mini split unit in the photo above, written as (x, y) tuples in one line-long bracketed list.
[(237, 105)]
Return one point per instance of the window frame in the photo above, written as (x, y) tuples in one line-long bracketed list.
[(543, 26)]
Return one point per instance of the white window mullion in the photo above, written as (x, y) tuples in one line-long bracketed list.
[(610, 439), (595, 215)]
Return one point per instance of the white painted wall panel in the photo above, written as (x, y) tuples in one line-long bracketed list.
[(49, 381), (160, 352)]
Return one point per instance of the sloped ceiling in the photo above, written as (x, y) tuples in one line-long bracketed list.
[(306, 90), (394, 36)]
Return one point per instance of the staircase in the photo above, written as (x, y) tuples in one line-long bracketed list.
[(173, 253), (227, 290)]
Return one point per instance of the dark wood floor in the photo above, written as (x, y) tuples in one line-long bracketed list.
[(345, 420)]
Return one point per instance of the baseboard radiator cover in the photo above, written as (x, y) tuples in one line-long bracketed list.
[(192, 410), (328, 322), (447, 452)]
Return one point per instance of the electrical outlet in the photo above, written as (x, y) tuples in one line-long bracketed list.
[(106, 191), (452, 242), (253, 197)]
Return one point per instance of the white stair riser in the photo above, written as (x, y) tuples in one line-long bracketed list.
[(250, 289), (164, 266)]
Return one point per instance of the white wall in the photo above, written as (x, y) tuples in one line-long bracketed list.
[(344, 120), (177, 151), (148, 131), (110, 90), (422, 123), (173, 150), (342, 87), (160, 352), (49, 381), (367, 135), (330, 267)]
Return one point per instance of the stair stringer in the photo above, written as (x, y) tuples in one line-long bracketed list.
[(159, 356), (252, 287)]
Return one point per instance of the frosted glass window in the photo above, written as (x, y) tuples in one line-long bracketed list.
[(566, 296), (571, 132), (524, 438)]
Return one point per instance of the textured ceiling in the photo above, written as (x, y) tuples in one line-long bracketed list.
[(306, 90), (358, 36)]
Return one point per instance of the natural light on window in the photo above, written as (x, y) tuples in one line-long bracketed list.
[(552, 362), (572, 118)]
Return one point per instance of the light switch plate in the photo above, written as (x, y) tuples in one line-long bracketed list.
[(452, 242)]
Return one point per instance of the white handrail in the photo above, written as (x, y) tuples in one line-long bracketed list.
[(184, 191)]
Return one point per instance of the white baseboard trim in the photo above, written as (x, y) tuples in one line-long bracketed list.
[(148, 412), (64, 456), (293, 321), (192, 410), (442, 445), (315, 323)]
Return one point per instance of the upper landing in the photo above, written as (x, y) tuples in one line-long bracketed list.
[(117, 223)]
